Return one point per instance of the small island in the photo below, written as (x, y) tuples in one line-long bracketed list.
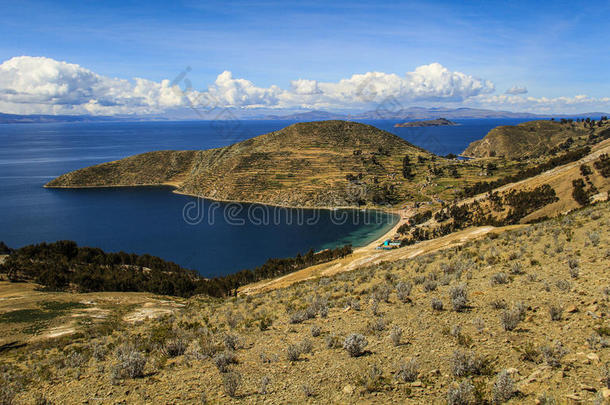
[(439, 122)]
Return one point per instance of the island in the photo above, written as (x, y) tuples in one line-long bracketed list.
[(439, 122), (308, 164)]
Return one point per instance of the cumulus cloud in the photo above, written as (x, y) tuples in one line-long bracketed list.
[(516, 90), (38, 85), (44, 85), (551, 105)]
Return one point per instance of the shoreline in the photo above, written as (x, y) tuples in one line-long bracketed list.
[(391, 231), (394, 211)]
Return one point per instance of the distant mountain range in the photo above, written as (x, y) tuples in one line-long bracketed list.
[(383, 112), (419, 113), (42, 118)]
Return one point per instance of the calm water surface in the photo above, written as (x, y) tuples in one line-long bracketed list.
[(213, 239)]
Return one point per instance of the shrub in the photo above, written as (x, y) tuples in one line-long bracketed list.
[(7, 394), (530, 353), (374, 307), (230, 383), (594, 238), (381, 292), (504, 388), (317, 305), (556, 312), (479, 323), (223, 360), (459, 297), (553, 354), (377, 325), (354, 304), (430, 285), (305, 346), (396, 335), (299, 317), (419, 279), (408, 371), (573, 263), (436, 304), (564, 285), (462, 394), (499, 278), (264, 322), (606, 375), (372, 380), (354, 344), (332, 341), (516, 269), (231, 342), (498, 304), (293, 352), (175, 347), (130, 362), (403, 290), (510, 319), (465, 363), (546, 399), (98, 350), (308, 391), (264, 385), (315, 331)]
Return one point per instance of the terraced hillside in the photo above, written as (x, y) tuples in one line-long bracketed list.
[(329, 163), (534, 138)]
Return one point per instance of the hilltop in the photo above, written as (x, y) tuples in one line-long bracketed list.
[(535, 138), (439, 122), (327, 163)]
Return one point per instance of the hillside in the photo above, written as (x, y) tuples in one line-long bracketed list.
[(328, 163), (439, 122), (517, 315), (534, 138)]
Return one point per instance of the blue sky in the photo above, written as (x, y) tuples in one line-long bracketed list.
[(554, 49)]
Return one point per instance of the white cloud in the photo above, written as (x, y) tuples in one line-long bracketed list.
[(551, 105), (30, 85), (43, 85), (516, 90)]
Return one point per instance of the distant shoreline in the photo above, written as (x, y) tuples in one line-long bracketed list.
[(439, 122)]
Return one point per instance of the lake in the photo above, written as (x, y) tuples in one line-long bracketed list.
[(206, 236)]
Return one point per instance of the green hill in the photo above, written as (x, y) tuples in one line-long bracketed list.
[(533, 138), (327, 163)]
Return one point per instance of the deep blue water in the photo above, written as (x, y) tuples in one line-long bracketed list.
[(151, 220)]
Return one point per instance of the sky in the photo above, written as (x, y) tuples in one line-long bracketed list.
[(131, 57)]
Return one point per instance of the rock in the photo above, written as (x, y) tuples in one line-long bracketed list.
[(572, 309), (417, 383), (512, 371), (348, 389), (574, 397), (434, 372), (606, 393), (589, 388), (593, 357)]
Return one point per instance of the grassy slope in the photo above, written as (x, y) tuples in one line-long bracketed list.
[(535, 258), (532, 138), (305, 164)]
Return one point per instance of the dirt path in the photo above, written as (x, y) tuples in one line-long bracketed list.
[(369, 255)]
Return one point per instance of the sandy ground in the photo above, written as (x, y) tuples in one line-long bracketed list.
[(371, 255)]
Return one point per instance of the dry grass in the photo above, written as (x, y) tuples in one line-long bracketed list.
[(498, 342)]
